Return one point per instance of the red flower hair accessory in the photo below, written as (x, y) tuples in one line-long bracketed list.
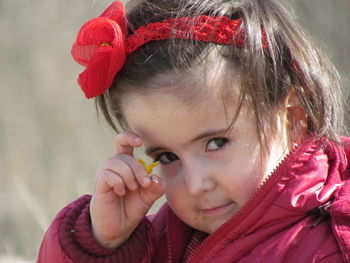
[(103, 43), (100, 47)]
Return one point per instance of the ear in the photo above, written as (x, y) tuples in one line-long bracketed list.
[(296, 118)]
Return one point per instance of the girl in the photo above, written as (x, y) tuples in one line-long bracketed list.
[(243, 113)]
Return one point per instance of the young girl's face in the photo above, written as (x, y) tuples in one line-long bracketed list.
[(211, 172)]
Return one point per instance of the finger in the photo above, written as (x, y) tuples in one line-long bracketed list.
[(109, 180), (125, 142), (139, 171), (121, 168), (156, 189)]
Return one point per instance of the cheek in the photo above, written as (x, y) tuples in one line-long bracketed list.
[(177, 197), (242, 186), (242, 174), (175, 187), (170, 172), (253, 178)]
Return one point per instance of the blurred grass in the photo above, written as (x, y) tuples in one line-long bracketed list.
[(51, 143)]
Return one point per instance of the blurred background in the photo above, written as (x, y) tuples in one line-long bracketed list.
[(51, 142)]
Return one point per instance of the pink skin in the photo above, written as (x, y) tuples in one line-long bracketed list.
[(209, 174)]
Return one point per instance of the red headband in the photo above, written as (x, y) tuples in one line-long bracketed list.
[(103, 43)]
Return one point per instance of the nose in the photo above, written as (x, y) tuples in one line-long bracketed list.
[(198, 178)]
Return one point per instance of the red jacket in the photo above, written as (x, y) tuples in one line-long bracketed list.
[(301, 214)]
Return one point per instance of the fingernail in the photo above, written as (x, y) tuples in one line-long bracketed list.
[(155, 179), (146, 181), (137, 140)]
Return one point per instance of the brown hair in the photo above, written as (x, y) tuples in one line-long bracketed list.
[(267, 78)]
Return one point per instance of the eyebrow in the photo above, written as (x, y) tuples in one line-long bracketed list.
[(201, 136)]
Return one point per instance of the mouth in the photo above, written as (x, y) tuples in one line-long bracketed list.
[(221, 209)]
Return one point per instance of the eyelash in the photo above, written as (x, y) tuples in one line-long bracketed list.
[(224, 141)]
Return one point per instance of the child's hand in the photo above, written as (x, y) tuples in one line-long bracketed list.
[(123, 194)]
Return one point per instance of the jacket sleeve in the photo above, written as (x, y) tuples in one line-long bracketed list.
[(69, 239)]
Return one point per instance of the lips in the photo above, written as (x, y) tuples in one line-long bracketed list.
[(220, 209)]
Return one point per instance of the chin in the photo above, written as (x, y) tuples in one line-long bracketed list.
[(211, 228)]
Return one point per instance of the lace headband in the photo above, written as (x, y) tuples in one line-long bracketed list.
[(103, 43)]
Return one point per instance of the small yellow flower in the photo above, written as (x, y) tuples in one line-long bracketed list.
[(150, 167)]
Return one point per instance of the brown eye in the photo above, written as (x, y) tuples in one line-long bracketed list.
[(166, 158), (216, 144)]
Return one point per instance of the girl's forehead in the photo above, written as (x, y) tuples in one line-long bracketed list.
[(182, 103), (214, 80), (165, 117)]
